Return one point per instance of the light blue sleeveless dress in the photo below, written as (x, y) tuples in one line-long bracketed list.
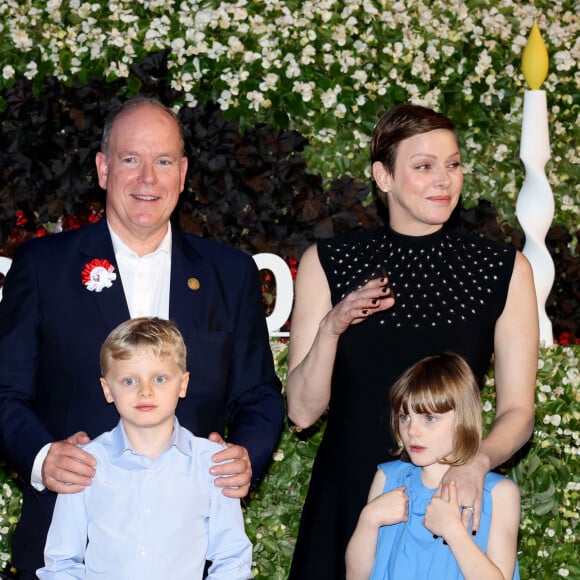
[(408, 550)]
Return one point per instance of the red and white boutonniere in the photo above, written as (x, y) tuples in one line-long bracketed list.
[(98, 274)]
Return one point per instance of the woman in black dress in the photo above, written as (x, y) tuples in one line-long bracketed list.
[(370, 304)]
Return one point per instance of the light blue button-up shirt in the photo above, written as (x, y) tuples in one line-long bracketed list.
[(148, 519)]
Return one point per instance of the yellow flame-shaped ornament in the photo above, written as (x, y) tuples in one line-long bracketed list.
[(535, 59)]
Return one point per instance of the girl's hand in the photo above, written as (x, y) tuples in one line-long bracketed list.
[(391, 507), (354, 308), (469, 480), (443, 514)]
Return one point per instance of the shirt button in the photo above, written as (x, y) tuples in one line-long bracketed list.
[(142, 552)]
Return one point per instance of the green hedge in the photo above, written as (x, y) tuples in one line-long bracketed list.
[(547, 471)]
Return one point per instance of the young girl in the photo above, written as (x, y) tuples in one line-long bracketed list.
[(406, 530)]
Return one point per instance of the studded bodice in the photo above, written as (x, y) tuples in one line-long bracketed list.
[(449, 290)]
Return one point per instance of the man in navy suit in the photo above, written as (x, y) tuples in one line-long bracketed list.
[(64, 293)]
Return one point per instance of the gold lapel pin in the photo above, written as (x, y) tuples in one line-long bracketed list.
[(193, 283)]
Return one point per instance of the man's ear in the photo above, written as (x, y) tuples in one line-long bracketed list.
[(102, 169), (183, 170), (106, 390)]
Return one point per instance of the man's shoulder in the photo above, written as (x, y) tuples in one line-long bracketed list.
[(59, 241), (209, 244), (213, 251)]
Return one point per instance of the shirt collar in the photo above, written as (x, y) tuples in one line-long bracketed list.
[(120, 247), (120, 442)]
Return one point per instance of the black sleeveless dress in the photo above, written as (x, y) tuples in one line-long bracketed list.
[(449, 290)]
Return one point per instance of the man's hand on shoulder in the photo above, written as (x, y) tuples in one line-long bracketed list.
[(234, 469), (67, 468)]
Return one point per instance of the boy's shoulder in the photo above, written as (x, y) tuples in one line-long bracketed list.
[(195, 444), (100, 445)]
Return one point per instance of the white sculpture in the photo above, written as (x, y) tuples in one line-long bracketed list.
[(535, 203)]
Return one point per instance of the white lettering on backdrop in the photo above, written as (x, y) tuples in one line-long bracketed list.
[(5, 264), (284, 288), (284, 291)]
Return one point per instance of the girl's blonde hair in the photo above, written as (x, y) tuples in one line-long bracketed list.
[(438, 384), (161, 336)]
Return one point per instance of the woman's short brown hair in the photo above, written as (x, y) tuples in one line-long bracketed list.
[(438, 384), (400, 123)]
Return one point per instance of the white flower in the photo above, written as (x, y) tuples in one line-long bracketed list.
[(21, 40), (305, 90), (225, 100), (8, 72), (553, 420), (269, 83), (31, 70), (361, 76), (292, 70), (257, 100), (340, 111), (328, 98)]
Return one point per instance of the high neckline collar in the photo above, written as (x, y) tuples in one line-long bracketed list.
[(409, 240)]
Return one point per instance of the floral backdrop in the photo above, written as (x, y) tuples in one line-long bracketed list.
[(327, 69)]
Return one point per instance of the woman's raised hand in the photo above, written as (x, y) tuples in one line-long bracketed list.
[(375, 296)]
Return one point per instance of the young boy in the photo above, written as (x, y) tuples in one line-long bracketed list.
[(152, 510)]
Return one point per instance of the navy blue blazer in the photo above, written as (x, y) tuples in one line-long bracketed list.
[(51, 331)]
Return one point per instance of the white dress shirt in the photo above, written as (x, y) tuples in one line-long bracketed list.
[(145, 279)]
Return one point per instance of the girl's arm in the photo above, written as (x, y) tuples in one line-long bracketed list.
[(316, 328), (382, 509), (443, 518)]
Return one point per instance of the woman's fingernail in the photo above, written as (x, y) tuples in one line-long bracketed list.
[(374, 300)]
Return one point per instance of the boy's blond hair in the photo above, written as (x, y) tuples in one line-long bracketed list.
[(161, 336)]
